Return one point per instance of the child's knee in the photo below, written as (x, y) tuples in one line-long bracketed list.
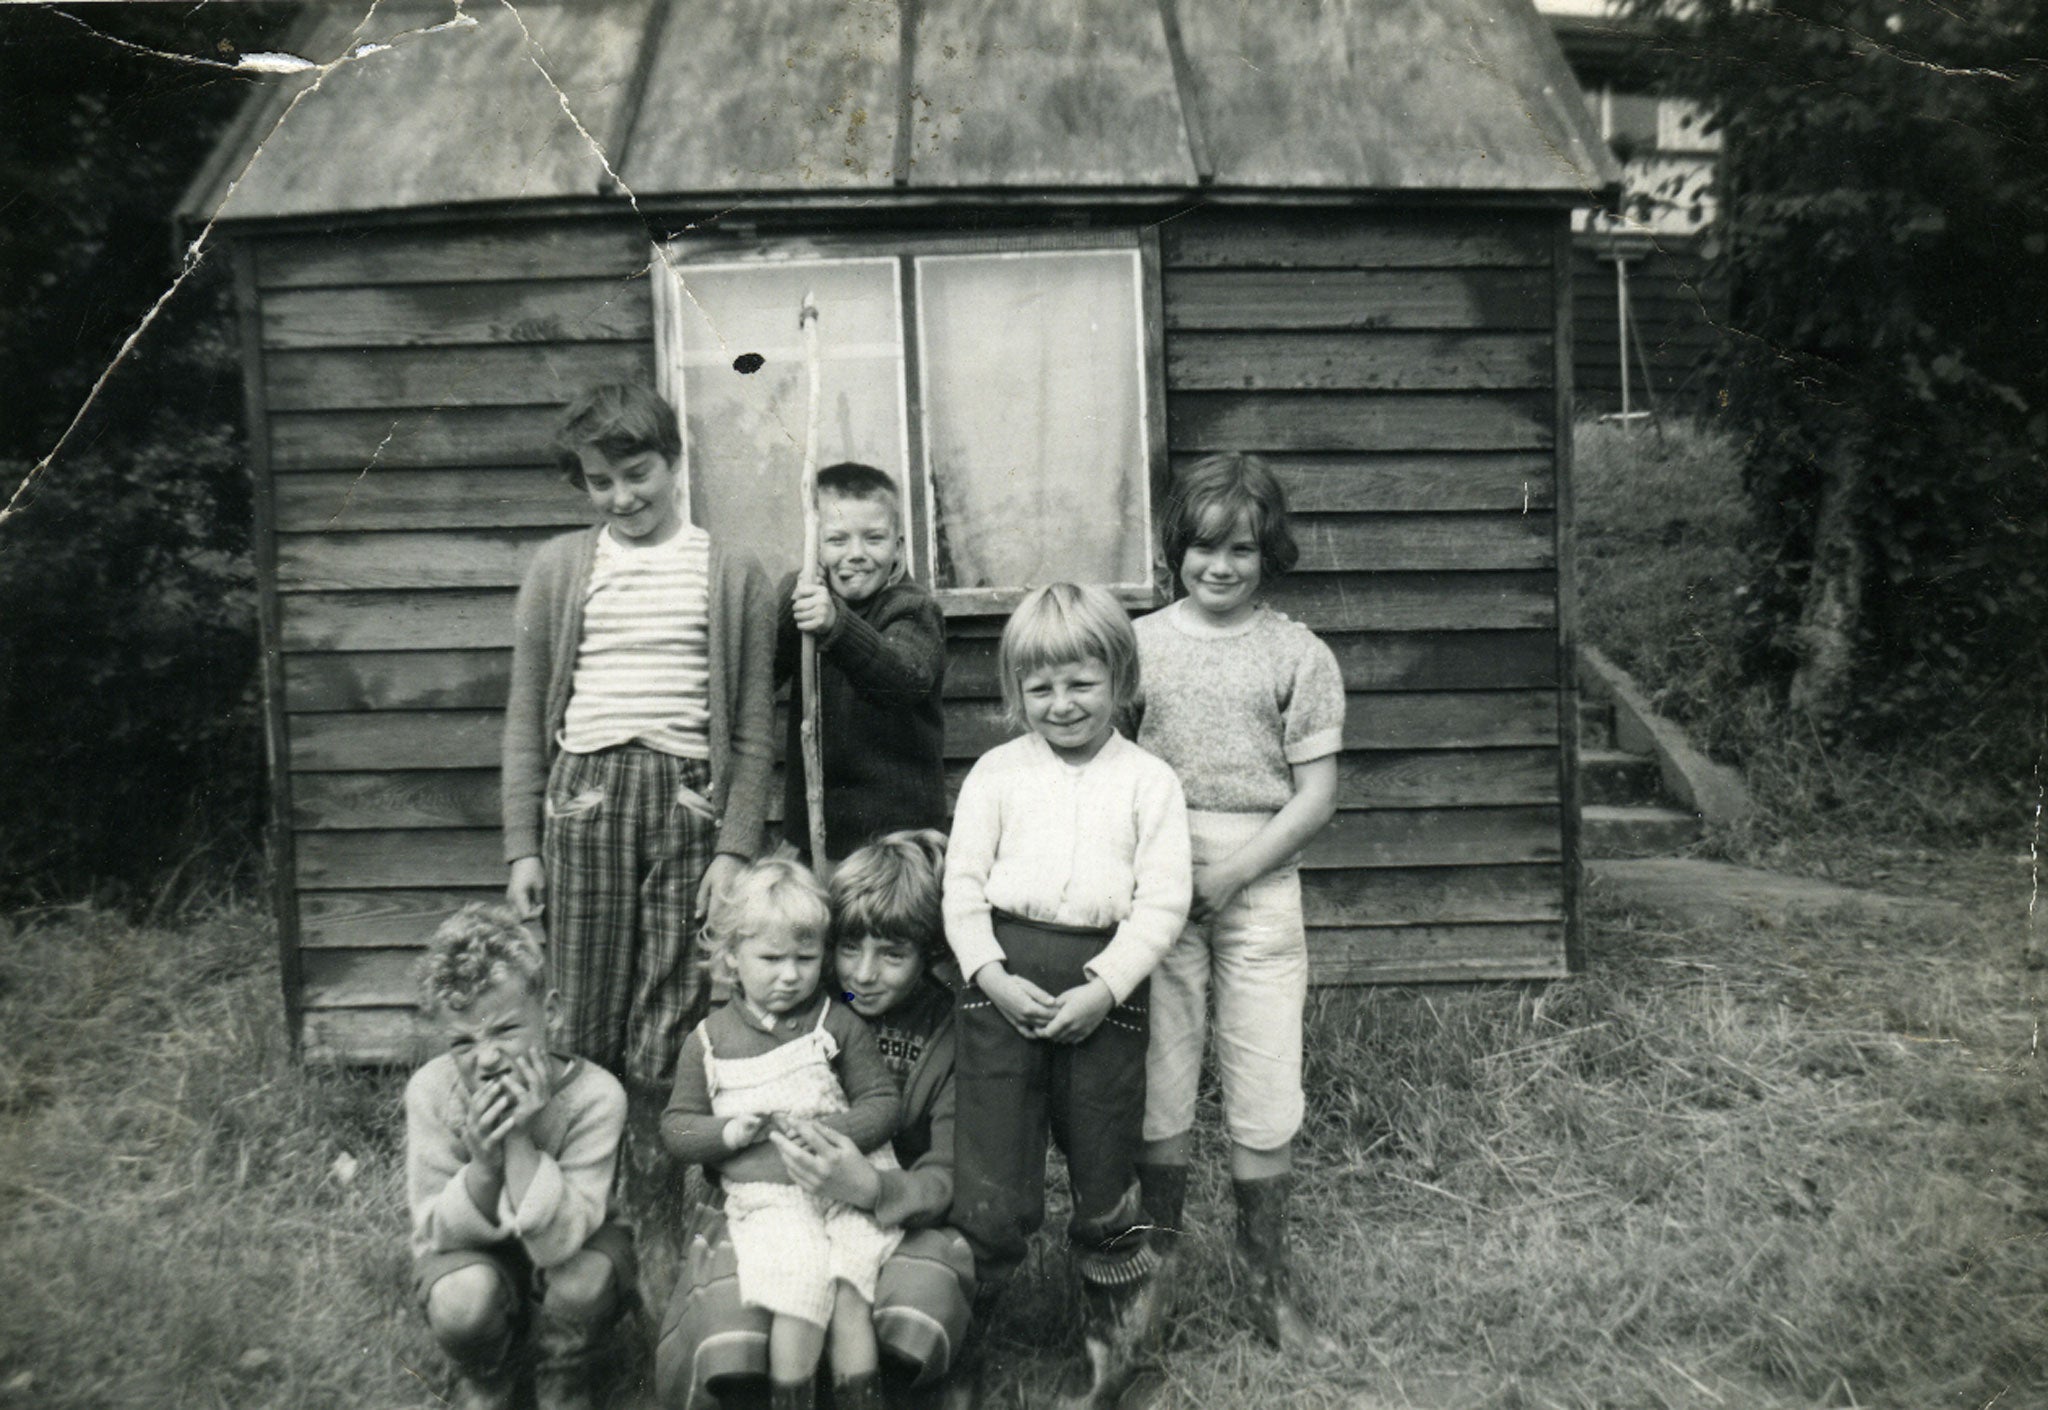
[(583, 1288), (468, 1307)]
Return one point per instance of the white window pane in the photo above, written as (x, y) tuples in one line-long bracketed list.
[(744, 430), (1034, 404)]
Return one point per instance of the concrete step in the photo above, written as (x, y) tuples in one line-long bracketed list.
[(1618, 830), (1596, 724), (1616, 776)]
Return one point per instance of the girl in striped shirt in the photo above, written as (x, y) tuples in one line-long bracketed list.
[(636, 751)]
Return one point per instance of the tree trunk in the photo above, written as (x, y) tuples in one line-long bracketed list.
[(1834, 592)]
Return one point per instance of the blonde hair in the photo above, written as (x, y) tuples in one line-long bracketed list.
[(472, 950), (1058, 625), (891, 888), (774, 891)]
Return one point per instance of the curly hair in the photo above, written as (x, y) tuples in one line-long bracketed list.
[(771, 891), (891, 888), (473, 949)]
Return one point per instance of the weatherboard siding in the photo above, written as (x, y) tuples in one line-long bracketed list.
[(1399, 369)]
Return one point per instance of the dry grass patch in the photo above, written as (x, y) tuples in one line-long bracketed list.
[(1760, 1166)]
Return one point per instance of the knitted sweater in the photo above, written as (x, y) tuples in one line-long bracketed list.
[(547, 629), (577, 1135), (697, 1137), (881, 726), (919, 1195)]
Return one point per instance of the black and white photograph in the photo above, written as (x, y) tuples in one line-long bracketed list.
[(993, 704)]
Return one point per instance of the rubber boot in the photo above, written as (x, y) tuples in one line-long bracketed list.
[(566, 1356), (1262, 1246), (1119, 1325), (791, 1395), (487, 1379), (1162, 1196), (862, 1392), (971, 1381)]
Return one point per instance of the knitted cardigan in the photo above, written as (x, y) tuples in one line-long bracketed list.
[(547, 631)]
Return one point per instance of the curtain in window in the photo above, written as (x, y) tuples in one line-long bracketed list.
[(742, 389), (1031, 372)]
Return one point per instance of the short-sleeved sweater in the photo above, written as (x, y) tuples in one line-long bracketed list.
[(881, 725), (1234, 709), (577, 1135)]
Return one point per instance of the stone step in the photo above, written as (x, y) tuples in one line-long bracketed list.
[(1596, 724), (1617, 830), (1617, 776)]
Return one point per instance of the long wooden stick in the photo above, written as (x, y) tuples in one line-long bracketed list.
[(813, 751)]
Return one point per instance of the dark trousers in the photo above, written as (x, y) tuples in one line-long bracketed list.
[(1090, 1097)]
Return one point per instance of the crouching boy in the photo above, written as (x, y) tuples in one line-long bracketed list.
[(509, 1154)]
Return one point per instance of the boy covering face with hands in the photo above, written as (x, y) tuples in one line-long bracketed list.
[(510, 1149)]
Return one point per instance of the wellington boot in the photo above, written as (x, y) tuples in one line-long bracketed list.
[(791, 1395), (488, 1380), (1120, 1325), (566, 1359), (863, 1392), (1262, 1247)]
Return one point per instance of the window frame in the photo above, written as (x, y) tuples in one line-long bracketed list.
[(678, 255)]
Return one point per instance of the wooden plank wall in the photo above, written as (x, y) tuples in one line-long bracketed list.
[(1676, 308), (1399, 371)]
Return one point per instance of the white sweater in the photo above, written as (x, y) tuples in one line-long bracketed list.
[(1102, 845)]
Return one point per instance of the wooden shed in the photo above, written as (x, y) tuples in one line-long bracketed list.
[(1060, 245)]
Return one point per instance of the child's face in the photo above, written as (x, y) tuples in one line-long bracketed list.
[(876, 972), (778, 967), (1072, 707), (636, 494), (1221, 571), (859, 542), (505, 1022)]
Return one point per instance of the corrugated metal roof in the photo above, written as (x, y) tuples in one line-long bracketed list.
[(422, 105)]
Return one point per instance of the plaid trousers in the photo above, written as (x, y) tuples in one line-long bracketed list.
[(624, 857)]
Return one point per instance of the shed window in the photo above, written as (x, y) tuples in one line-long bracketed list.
[(1012, 389)]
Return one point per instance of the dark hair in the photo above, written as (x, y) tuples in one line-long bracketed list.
[(891, 888), (1209, 496), (618, 419), (850, 479)]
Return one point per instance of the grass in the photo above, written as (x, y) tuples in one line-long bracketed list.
[(1756, 1165)]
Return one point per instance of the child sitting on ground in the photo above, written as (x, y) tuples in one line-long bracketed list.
[(783, 1049), (881, 669), (1066, 881), (509, 1154)]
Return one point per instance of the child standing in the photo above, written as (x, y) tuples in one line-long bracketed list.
[(1066, 881), (509, 1153), (636, 752), (881, 669), (782, 1050), (1248, 708)]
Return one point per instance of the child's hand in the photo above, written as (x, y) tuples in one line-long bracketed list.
[(1081, 1011), (743, 1131), (1216, 886), (486, 1121), (526, 890), (1027, 1007), (813, 606), (530, 1085)]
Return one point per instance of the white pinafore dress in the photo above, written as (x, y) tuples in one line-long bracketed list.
[(792, 1246)]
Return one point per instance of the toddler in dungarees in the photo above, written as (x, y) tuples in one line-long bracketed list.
[(782, 1049)]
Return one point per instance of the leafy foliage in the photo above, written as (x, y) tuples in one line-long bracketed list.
[(1884, 238), (126, 712)]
